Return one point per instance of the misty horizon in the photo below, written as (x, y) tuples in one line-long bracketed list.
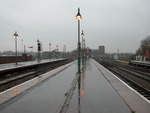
[(112, 23)]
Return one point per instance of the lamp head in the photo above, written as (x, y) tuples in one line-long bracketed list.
[(78, 16), (16, 35), (82, 34), (38, 41)]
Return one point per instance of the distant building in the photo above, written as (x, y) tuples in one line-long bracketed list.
[(143, 54), (101, 50), (147, 53), (98, 52)]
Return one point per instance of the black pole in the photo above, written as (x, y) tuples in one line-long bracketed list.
[(16, 49)]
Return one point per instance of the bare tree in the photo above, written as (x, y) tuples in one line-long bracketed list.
[(138, 51), (142, 49)]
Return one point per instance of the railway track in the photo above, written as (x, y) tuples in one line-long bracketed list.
[(15, 77), (132, 67), (140, 81), (139, 74)]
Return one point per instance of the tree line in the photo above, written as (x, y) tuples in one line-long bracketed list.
[(143, 45)]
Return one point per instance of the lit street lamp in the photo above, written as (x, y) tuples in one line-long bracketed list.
[(16, 36), (82, 34), (79, 17)]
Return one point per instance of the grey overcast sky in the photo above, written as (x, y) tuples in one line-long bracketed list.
[(116, 24)]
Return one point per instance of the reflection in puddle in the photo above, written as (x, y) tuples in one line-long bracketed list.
[(83, 81), (81, 92), (16, 91), (79, 87)]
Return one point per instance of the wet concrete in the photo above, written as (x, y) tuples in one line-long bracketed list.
[(95, 94), (45, 97), (137, 102)]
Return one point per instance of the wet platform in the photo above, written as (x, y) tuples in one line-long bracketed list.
[(140, 63), (22, 64), (97, 91)]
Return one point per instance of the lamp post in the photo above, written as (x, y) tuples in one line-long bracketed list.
[(64, 51), (39, 49), (50, 51), (82, 34), (79, 17), (22, 45), (16, 36), (84, 51), (57, 51)]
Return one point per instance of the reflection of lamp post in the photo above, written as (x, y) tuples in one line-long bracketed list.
[(79, 17), (39, 49), (83, 81), (82, 34), (50, 51), (16, 36), (79, 91)]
